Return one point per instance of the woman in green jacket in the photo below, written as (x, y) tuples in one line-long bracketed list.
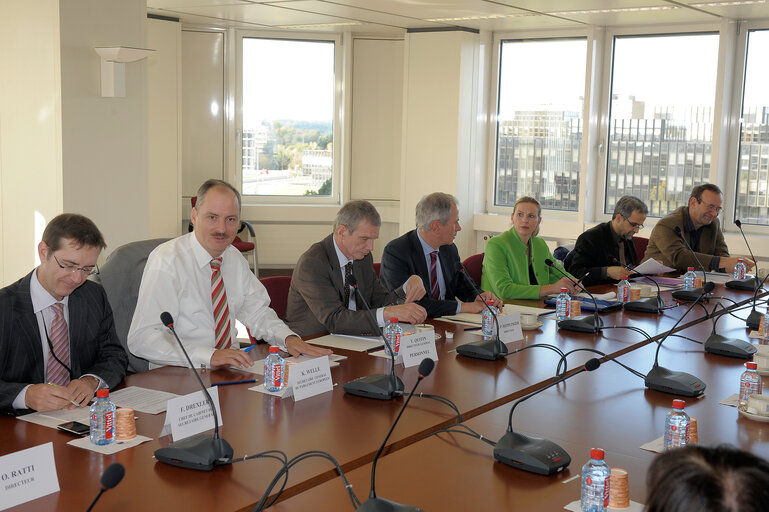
[(514, 264)]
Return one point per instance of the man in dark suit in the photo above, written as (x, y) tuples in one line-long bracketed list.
[(57, 335), (605, 250), (322, 299), (430, 253)]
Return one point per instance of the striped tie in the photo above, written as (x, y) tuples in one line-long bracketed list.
[(221, 308), (57, 373), (435, 289)]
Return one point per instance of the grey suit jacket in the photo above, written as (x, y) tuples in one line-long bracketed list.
[(316, 297), (94, 346)]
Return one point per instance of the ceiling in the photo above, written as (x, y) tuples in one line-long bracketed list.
[(394, 17)]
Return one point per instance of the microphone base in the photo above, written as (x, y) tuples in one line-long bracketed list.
[(383, 505), (583, 323), (201, 452), (674, 383), (754, 319), (690, 295), (730, 347), (489, 350), (379, 386), (532, 454), (743, 284), (645, 305)]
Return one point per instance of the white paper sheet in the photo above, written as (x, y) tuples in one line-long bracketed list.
[(54, 418), (150, 401), (258, 368), (652, 267), (343, 341), (108, 449)]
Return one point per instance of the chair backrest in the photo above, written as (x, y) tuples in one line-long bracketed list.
[(474, 266), (121, 276), (567, 260), (277, 289), (377, 267), (640, 244)]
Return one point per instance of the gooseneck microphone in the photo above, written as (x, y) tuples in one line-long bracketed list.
[(583, 323), (645, 304), (723, 346), (200, 451), (109, 479), (375, 503), (754, 318), (379, 386), (695, 294), (484, 349), (534, 454), (749, 284), (673, 382)]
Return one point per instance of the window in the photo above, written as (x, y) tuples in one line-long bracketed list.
[(661, 118), (539, 122), (752, 204), (288, 117)]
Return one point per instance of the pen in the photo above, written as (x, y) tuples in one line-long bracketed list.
[(71, 401), (249, 349), (229, 383)]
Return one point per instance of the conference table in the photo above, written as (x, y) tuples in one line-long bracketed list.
[(352, 428)]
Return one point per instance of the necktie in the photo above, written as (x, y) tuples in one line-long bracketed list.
[(59, 337), (622, 258), (435, 290), (347, 276), (221, 308)]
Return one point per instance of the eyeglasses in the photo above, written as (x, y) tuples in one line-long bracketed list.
[(88, 271), (634, 225), (713, 208)]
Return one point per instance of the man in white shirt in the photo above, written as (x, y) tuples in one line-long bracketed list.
[(205, 284)]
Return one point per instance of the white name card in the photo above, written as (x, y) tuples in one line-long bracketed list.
[(27, 475), (310, 378), (510, 327), (417, 346), (191, 414)]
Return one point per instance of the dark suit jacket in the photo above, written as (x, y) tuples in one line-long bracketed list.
[(94, 346), (404, 257), (594, 250), (316, 296)]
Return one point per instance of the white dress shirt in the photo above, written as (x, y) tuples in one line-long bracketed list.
[(177, 279)]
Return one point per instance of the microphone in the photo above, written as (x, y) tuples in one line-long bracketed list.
[(375, 503), (583, 323), (379, 385), (200, 451), (754, 318), (723, 346), (109, 479), (484, 349), (534, 454), (645, 304), (749, 284), (695, 294), (668, 381)]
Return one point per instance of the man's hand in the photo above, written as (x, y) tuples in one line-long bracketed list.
[(297, 346), (48, 397), (728, 263), (415, 289), (617, 273), (231, 357), (407, 313), (82, 389), (490, 299)]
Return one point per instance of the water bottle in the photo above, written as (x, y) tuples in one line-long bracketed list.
[(676, 426), (487, 320), (596, 477), (274, 371), (102, 419), (562, 305), (689, 278), (740, 269), (623, 290), (750, 382), (393, 332), (765, 329)]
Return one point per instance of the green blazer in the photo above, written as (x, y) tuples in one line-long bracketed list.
[(506, 268)]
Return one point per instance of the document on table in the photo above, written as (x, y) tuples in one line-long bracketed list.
[(258, 368), (344, 341), (54, 418), (475, 318), (652, 267), (150, 401)]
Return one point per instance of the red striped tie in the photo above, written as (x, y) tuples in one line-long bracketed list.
[(58, 374), (435, 289), (221, 308)]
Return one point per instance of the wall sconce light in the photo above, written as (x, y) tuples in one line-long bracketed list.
[(113, 59)]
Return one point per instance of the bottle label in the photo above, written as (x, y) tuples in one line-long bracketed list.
[(624, 293), (397, 344), (277, 375), (606, 487)]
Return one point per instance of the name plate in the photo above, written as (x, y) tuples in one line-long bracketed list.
[(310, 378), (510, 327), (191, 414), (27, 475), (417, 346)]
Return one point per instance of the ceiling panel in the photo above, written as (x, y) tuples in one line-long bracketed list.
[(172, 4), (358, 13), (263, 14), (734, 10)]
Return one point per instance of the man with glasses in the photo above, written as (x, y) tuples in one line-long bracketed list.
[(57, 336), (700, 226), (603, 251)]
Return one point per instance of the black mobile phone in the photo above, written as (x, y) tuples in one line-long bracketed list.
[(75, 427)]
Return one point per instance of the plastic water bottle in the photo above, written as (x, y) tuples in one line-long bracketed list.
[(563, 305), (623, 290), (765, 330), (689, 278), (750, 382), (487, 320), (393, 332), (596, 477), (274, 371), (102, 418), (740, 269), (676, 426)]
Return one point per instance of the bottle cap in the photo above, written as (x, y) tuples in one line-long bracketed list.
[(690, 269), (393, 320), (564, 290), (597, 453), (740, 260), (750, 365), (624, 277), (678, 403), (274, 350), (102, 393)]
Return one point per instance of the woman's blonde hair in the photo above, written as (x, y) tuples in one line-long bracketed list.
[(529, 199)]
